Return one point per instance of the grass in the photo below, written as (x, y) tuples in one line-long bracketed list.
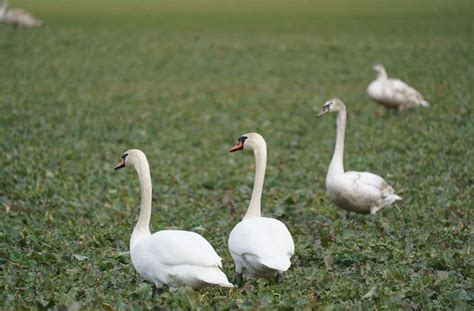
[(182, 81)]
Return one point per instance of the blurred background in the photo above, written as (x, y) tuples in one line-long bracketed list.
[(182, 80)]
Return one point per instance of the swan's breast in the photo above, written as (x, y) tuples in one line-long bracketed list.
[(383, 93), (376, 90)]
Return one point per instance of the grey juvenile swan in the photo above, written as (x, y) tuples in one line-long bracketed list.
[(393, 93), (359, 192)]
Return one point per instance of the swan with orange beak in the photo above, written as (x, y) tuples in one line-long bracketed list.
[(168, 257), (262, 246)]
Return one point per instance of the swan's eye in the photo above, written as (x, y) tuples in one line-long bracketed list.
[(124, 156), (242, 139)]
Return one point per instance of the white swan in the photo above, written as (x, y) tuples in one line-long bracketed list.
[(359, 192), (17, 17), (261, 245), (393, 93), (168, 257)]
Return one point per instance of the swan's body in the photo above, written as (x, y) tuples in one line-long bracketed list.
[(394, 93), (359, 192), (17, 17), (261, 245), (177, 258), (169, 257)]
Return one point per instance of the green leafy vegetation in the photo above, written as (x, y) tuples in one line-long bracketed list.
[(182, 81)]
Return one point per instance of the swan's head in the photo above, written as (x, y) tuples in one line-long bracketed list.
[(379, 70), (332, 105), (130, 158), (248, 141)]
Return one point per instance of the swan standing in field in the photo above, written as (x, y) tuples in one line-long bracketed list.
[(359, 192), (168, 257), (261, 245), (17, 17), (393, 93)]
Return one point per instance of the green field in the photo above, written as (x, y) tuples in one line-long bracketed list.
[(182, 80)]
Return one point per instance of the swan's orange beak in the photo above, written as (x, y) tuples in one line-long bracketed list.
[(119, 165), (237, 147)]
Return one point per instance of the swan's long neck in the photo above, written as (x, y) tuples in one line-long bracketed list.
[(337, 162), (142, 228), (382, 74), (4, 8), (260, 153)]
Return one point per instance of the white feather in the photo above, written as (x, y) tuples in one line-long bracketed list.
[(262, 245), (394, 93), (169, 257), (177, 258), (18, 17), (360, 192)]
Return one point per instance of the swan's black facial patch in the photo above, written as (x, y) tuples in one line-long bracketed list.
[(121, 164), (240, 144), (326, 108)]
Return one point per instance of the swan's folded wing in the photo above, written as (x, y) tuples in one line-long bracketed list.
[(371, 184), (262, 237), (400, 88), (176, 247)]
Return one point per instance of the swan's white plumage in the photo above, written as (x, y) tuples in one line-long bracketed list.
[(262, 245), (176, 258), (360, 192), (394, 93), (178, 247), (169, 257), (18, 17)]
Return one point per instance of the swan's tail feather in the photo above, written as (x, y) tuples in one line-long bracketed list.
[(226, 284), (278, 264), (395, 197), (215, 276), (424, 103), (388, 200)]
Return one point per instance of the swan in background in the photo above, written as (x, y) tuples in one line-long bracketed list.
[(261, 245), (359, 192), (17, 17), (393, 93), (168, 257)]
